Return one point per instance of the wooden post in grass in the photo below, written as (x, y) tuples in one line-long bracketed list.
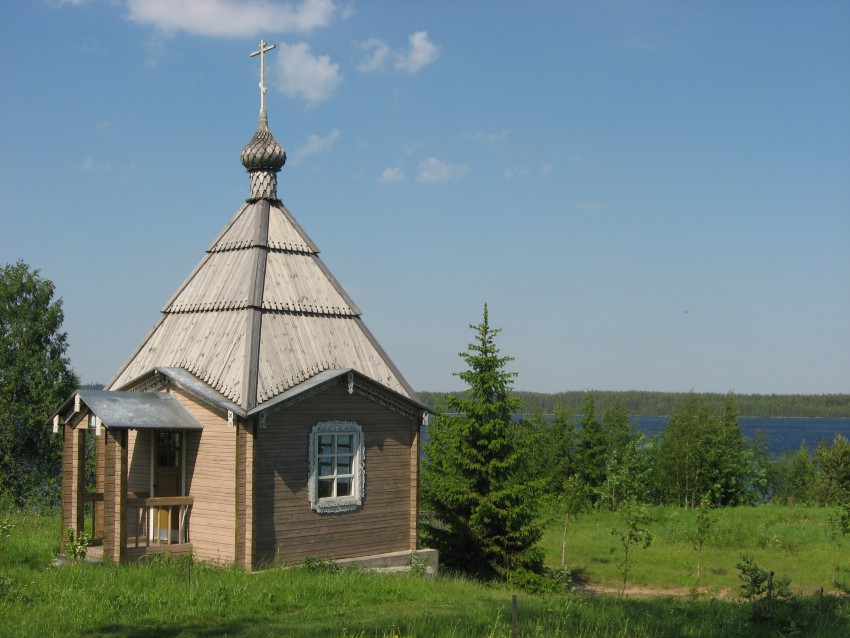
[(514, 618)]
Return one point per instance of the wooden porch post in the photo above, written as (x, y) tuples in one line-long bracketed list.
[(245, 450), (115, 494), (73, 480)]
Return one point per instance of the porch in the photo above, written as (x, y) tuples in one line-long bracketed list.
[(155, 525), (123, 474)]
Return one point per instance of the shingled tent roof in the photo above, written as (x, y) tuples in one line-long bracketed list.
[(261, 313)]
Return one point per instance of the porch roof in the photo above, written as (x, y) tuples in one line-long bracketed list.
[(135, 410)]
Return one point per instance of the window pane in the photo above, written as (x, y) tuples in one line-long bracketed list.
[(326, 444), (343, 465), (344, 443), (326, 466), (326, 488), (343, 487)]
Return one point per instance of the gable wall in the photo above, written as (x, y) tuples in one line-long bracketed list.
[(287, 529), (210, 474)]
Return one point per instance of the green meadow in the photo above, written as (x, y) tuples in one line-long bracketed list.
[(178, 598), (794, 541)]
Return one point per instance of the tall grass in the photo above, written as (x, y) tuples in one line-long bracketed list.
[(788, 540), (157, 599)]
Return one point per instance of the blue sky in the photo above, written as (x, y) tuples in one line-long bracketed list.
[(648, 195)]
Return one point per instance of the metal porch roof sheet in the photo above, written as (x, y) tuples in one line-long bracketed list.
[(139, 410)]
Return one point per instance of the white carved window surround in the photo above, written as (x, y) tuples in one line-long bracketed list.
[(337, 457)]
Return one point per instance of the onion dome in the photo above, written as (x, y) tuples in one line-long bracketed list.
[(263, 157)]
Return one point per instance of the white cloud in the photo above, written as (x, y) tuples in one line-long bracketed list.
[(422, 52), (377, 55), (315, 144), (232, 17), (301, 74), (433, 170), (392, 174)]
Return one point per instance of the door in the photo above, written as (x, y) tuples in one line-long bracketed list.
[(167, 481)]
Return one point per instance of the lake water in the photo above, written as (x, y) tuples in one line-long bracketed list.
[(782, 434)]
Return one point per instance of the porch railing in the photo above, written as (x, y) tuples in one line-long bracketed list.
[(159, 520)]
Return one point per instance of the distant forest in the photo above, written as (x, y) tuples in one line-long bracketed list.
[(639, 403)]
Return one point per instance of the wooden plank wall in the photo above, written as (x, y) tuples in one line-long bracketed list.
[(210, 471), (286, 527), (244, 481), (139, 473)]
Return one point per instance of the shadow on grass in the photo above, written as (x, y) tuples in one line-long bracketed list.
[(210, 627), (580, 576)]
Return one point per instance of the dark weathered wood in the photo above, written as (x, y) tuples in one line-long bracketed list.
[(288, 529)]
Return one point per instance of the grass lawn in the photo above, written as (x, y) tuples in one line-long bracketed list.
[(792, 541), (156, 599)]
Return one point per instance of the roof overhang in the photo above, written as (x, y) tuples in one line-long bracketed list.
[(187, 381), (130, 410), (356, 382)]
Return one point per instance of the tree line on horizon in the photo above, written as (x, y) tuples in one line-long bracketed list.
[(653, 403)]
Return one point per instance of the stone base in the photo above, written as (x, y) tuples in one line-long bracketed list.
[(396, 561)]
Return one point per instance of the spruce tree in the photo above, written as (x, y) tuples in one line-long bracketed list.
[(593, 446), (482, 507)]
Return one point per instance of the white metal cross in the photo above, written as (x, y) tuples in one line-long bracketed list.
[(262, 53)]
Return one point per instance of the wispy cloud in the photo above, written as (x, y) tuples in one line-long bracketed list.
[(434, 170), (392, 174), (300, 74), (378, 54), (89, 165), (517, 172), (232, 18), (315, 144), (422, 52)]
